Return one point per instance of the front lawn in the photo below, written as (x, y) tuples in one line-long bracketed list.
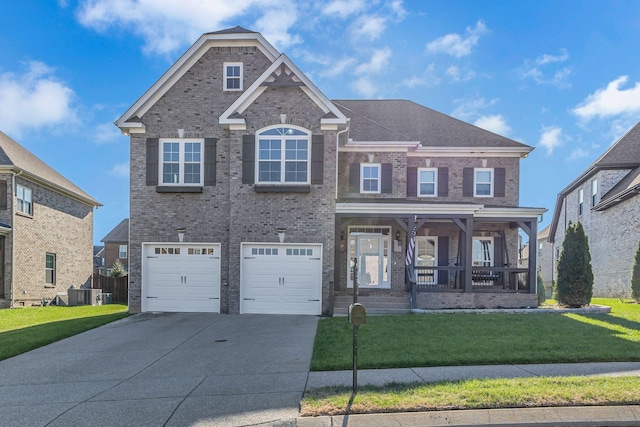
[(25, 329), (417, 340)]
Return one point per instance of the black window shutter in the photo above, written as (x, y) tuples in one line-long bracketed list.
[(412, 182), (354, 178), (386, 177), (443, 182), (317, 159), (498, 252), (443, 259), (152, 161), (248, 159), (467, 182), (3, 195), (210, 148), (499, 181)]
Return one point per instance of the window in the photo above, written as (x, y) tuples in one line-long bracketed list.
[(483, 183), (594, 192), (370, 177), (25, 199), (580, 201), (181, 162), (232, 75), (482, 251), (122, 253), (283, 156), (50, 269), (427, 182)]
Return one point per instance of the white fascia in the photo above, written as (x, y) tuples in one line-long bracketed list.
[(524, 213), (378, 146), (185, 62), (422, 151), (406, 208)]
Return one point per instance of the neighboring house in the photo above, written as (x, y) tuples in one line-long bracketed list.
[(46, 229), (252, 192), (546, 259), (116, 246), (604, 198), (98, 260)]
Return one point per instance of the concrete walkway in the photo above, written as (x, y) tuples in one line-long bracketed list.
[(173, 369), (567, 416)]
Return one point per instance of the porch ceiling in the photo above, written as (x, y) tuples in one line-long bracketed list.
[(404, 209)]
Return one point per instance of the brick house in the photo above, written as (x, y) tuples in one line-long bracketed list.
[(252, 192), (604, 198), (116, 246), (46, 230)]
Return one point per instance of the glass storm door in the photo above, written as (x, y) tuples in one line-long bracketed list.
[(372, 252)]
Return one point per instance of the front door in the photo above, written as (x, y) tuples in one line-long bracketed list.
[(372, 254)]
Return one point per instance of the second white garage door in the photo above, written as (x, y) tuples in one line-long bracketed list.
[(280, 278), (181, 277)]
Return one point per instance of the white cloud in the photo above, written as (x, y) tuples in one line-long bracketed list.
[(455, 74), (496, 124), (338, 67), (378, 63), (458, 45), (343, 8), (121, 170), (398, 8), (365, 87), (541, 67), (578, 153), (369, 27), (610, 101), (107, 132), (33, 100), (468, 109), (170, 24), (550, 138)]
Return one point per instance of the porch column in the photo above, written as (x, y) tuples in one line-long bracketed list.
[(468, 256), (533, 259)]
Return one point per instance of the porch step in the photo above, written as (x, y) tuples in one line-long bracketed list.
[(373, 304)]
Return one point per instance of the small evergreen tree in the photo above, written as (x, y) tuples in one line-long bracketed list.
[(118, 269), (575, 277), (635, 277), (542, 291)]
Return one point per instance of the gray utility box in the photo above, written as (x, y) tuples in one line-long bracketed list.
[(85, 296), (107, 298)]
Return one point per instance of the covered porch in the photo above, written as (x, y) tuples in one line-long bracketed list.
[(462, 255)]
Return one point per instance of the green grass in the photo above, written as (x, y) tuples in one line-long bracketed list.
[(474, 394), (25, 329), (481, 339)]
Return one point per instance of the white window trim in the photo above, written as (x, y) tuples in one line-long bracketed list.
[(384, 233), (120, 251), (435, 182), (491, 253), (580, 201), (364, 165), (594, 192), (181, 183), (18, 199), (282, 156), (224, 75), (475, 182), (53, 269)]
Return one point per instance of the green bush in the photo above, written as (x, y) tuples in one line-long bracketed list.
[(575, 277), (635, 277), (542, 291), (118, 269)]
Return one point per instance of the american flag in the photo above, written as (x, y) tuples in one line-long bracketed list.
[(411, 245)]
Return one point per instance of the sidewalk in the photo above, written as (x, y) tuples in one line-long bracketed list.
[(557, 416)]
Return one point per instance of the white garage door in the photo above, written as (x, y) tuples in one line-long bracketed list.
[(181, 277), (280, 278)]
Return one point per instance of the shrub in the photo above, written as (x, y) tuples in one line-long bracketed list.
[(575, 277), (542, 291), (118, 269), (635, 277)]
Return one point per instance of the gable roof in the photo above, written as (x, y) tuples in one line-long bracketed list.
[(120, 233), (624, 154), (17, 159), (402, 120)]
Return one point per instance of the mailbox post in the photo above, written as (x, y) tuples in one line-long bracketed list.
[(357, 317)]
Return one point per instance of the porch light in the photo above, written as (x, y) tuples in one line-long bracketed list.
[(181, 232), (398, 235), (281, 233)]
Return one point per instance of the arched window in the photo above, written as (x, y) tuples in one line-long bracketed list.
[(283, 154)]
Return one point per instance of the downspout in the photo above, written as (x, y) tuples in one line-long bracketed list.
[(337, 231), (13, 235), (337, 147)]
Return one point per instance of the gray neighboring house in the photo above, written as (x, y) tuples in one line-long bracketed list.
[(116, 246), (98, 260), (604, 198), (252, 192), (46, 229)]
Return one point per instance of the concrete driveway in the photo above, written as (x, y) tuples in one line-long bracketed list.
[(173, 369)]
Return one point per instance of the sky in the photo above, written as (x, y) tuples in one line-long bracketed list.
[(562, 76)]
